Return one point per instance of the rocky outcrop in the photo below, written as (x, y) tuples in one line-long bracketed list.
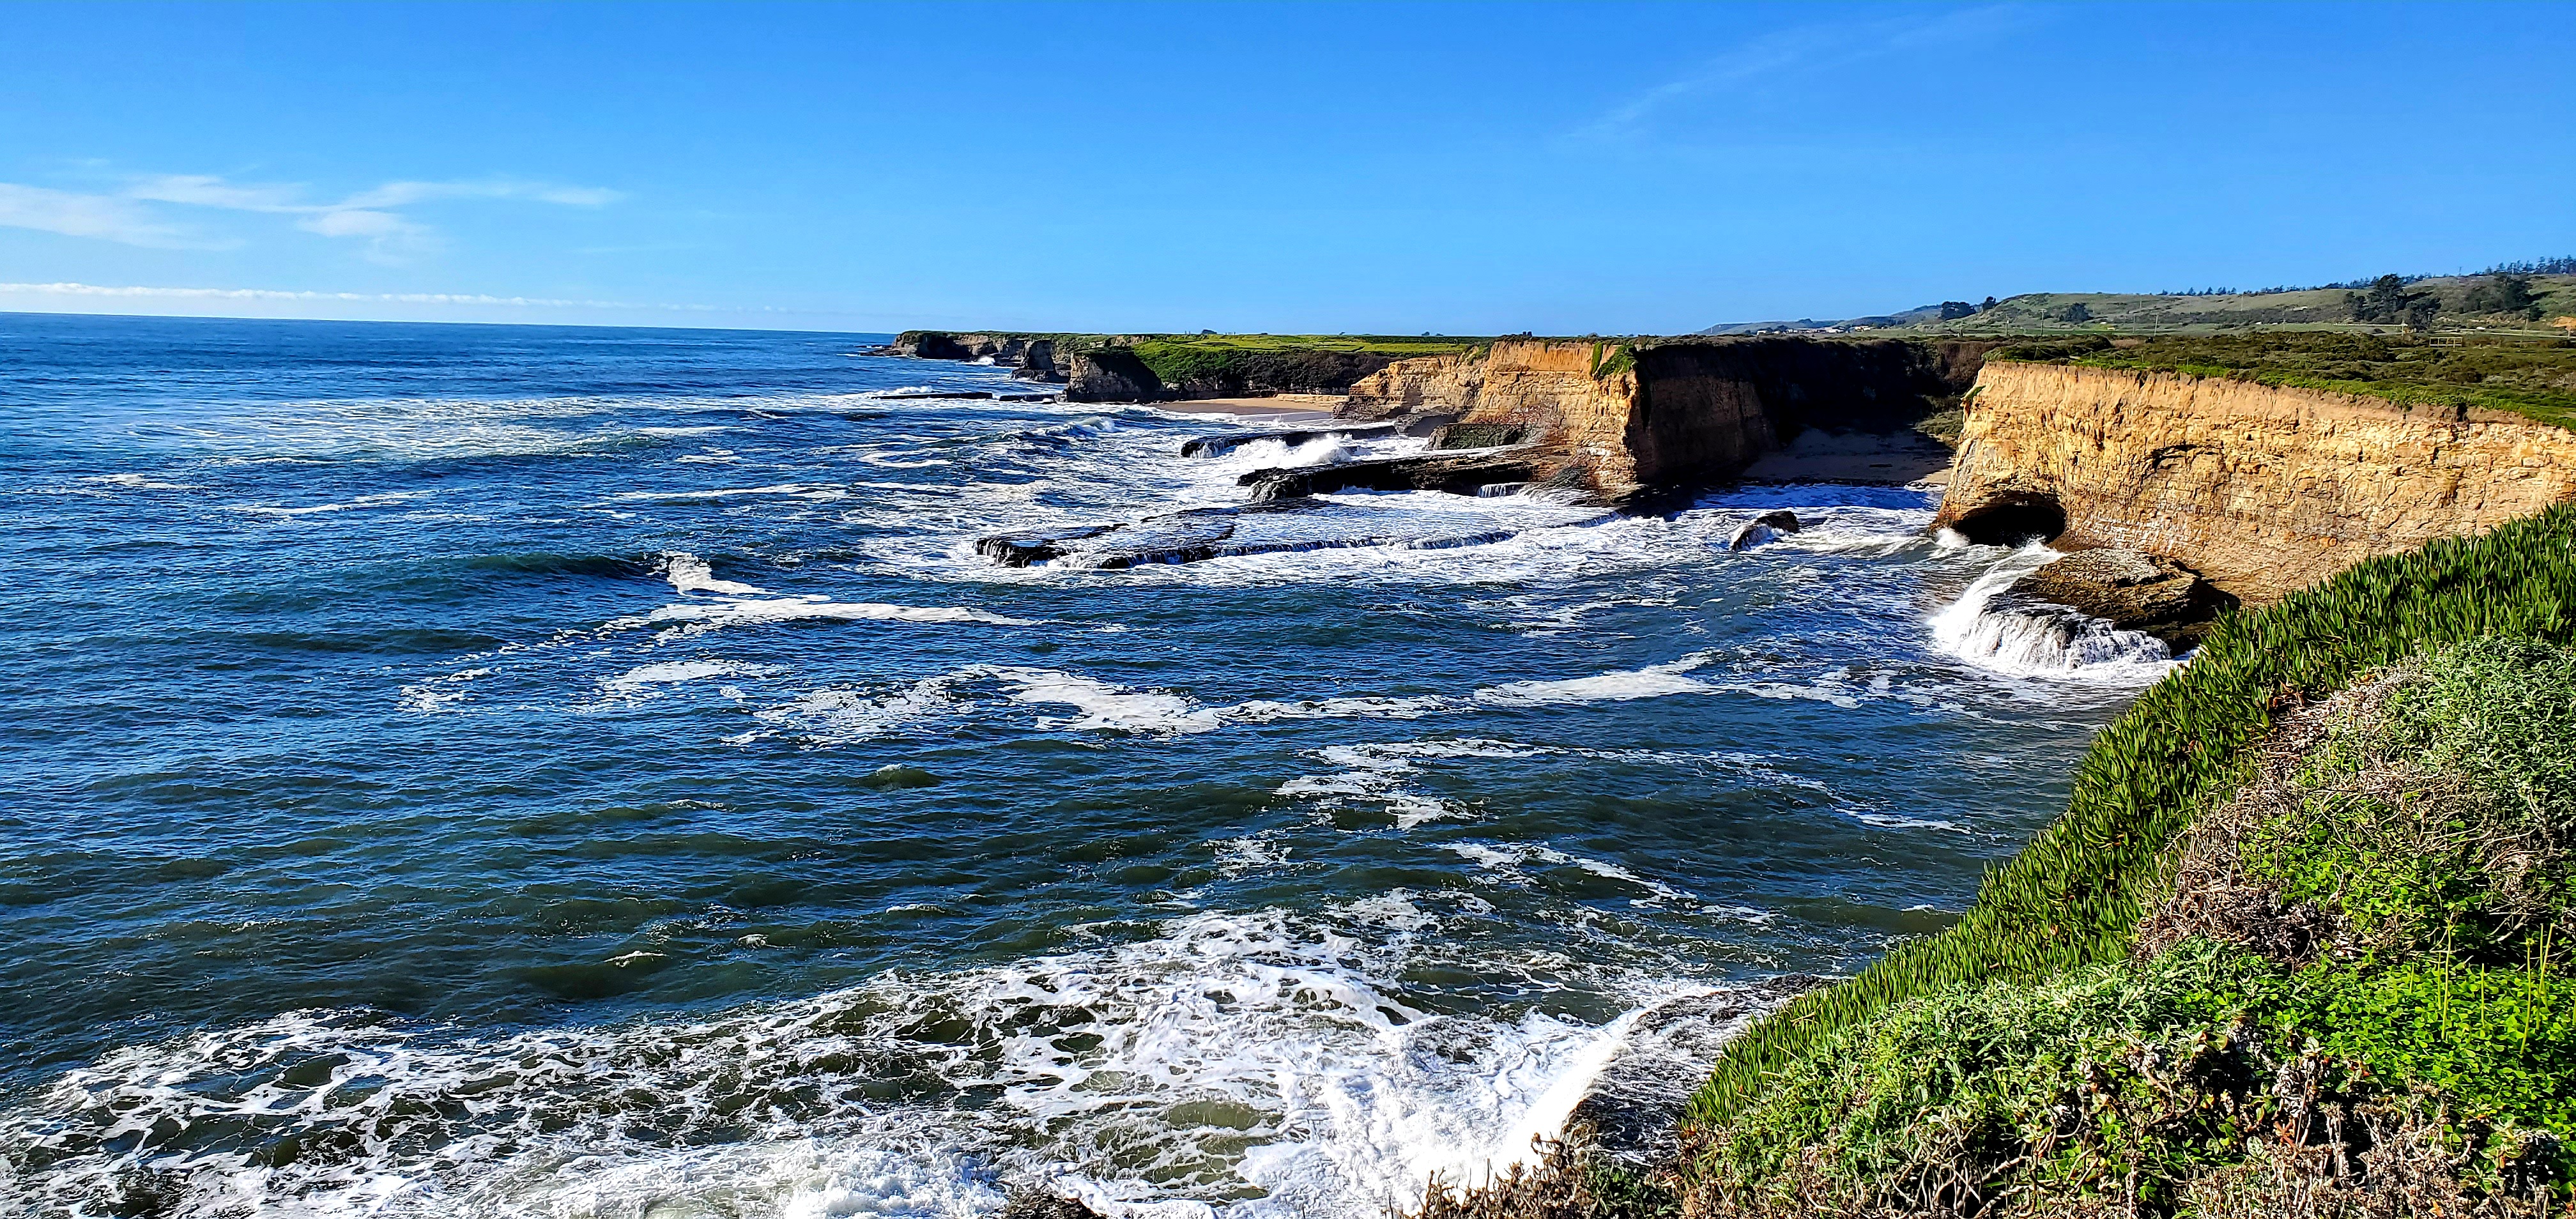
[(1111, 374), (1460, 474), (1417, 386), (1177, 369), (1223, 443), (1037, 1204), (1272, 526), (1030, 357), (2260, 489), (2131, 590), (1764, 528), (1630, 416)]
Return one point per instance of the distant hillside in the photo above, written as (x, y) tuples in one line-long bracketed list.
[(2483, 303)]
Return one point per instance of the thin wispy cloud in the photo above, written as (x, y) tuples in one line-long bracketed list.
[(106, 217), (1801, 50), (395, 298), (138, 215)]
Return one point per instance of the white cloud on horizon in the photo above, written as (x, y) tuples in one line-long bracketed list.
[(392, 298), (366, 215)]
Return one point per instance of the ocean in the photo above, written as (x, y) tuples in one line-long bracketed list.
[(513, 770)]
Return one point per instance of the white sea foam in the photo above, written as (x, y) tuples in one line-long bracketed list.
[(363, 501), (842, 714), (2032, 639), (1102, 705), (1382, 787), (690, 574), (643, 679), (1510, 862), (139, 482), (701, 616), (441, 693), (809, 491), (1888, 821), (1377, 775), (1263, 711), (1276, 454), (1656, 681), (1530, 538), (1233, 1053), (1251, 853)]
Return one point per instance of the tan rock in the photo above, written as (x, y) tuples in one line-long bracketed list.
[(2261, 489), (1628, 416)]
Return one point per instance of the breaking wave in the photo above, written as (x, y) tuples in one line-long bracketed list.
[(1267, 1057), (2030, 638)]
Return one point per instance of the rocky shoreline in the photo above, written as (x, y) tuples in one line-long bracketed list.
[(2176, 499), (2181, 496), (1109, 368)]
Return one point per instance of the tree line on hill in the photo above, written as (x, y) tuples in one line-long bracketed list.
[(2388, 300)]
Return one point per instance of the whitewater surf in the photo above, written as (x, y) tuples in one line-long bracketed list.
[(545, 772)]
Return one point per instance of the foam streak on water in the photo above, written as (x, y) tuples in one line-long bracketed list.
[(567, 772)]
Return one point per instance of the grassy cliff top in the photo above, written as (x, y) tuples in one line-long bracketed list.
[(1372, 344), (2460, 311), (2535, 378)]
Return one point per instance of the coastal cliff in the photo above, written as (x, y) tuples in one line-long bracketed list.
[(1167, 368), (1031, 357), (1617, 418), (2261, 489)]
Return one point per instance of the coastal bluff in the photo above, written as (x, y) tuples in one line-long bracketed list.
[(1618, 418), (2261, 489), (1165, 368)]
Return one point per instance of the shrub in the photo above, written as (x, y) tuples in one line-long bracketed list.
[(2431, 1056), (2074, 896)]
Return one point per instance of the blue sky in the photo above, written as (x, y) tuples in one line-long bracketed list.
[(1452, 168)]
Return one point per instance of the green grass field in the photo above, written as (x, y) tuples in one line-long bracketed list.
[(2535, 378), (2314, 309)]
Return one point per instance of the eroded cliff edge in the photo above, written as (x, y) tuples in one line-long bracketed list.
[(1620, 418), (2261, 489)]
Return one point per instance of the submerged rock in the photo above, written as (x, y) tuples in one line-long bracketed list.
[(1224, 443), (1478, 435), (1462, 474), (1764, 528), (897, 776), (1271, 527), (2133, 591), (1046, 1206)]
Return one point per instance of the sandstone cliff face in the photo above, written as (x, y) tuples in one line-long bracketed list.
[(1625, 418), (1111, 374), (1423, 384), (2263, 490)]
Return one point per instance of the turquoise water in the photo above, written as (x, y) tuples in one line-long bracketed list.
[(521, 770)]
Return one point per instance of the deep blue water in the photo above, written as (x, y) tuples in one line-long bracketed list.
[(526, 770)]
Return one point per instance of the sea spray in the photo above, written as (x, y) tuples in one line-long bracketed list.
[(463, 849), (1991, 627)]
